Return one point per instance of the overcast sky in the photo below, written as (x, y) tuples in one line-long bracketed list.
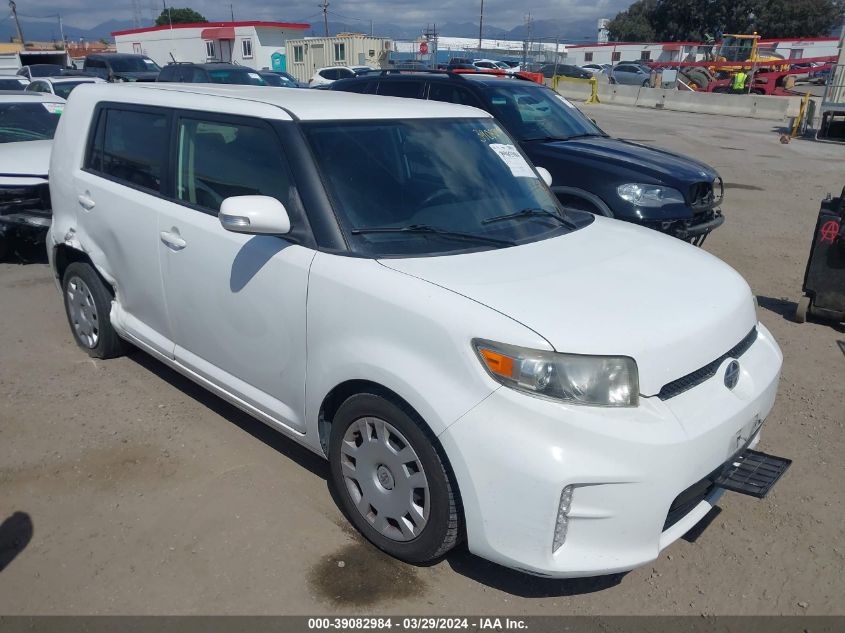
[(501, 13)]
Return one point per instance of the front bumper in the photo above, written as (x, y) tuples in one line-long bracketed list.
[(513, 454)]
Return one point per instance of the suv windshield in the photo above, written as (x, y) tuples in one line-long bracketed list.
[(28, 121), (45, 70), (133, 65), (240, 76), (432, 186), (532, 112), (64, 88)]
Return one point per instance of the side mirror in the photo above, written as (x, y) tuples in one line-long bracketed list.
[(545, 175), (257, 215)]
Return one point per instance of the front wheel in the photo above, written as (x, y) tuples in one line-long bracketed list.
[(391, 480)]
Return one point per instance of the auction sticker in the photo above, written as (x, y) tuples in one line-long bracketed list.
[(513, 159), (54, 108)]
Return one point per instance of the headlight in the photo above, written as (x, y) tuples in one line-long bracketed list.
[(603, 381), (649, 195)]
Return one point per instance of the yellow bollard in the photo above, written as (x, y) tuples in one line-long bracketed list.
[(594, 91)]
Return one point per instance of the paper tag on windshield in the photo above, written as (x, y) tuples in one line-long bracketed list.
[(513, 159), (565, 101), (54, 108)]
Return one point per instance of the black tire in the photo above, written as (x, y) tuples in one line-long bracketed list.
[(107, 343), (441, 531)]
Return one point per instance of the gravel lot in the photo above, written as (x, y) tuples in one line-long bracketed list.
[(148, 495)]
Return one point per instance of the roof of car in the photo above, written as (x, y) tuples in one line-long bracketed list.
[(306, 105), (114, 55), (211, 65), (10, 96), (485, 78)]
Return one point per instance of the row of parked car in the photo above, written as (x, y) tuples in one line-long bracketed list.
[(590, 170), (394, 284)]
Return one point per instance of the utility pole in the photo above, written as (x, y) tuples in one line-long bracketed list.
[(14, 9), (480, 24), (232, 11), (62, 32), (430, 35), (325, 8)]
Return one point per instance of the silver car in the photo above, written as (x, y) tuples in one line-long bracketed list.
[(630, 74)]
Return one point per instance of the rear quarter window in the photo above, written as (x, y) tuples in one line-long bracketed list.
[(407, 89)]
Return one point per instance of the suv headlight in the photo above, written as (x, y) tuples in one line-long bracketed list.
[(602, 381), (649, 195)]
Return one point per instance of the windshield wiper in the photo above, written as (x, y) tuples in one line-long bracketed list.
[(432, 230), (531, 213), (547, 139)]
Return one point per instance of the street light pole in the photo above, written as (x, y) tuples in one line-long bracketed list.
[(14, 9)]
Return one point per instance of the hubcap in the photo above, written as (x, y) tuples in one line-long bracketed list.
[(385, 478), (83, 312)]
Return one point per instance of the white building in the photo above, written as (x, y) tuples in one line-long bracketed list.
[(352, 49), (254, 44), (611, 53)]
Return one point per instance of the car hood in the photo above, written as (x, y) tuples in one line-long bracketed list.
[(27, 158), (610, 288), (137, 76), (660, 164)]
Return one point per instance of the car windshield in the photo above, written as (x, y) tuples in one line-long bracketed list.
[(417, 187), (133, 65), (45, 70), (532, 112), (274, 80), (64, 88), (240, 76), (35, 121)]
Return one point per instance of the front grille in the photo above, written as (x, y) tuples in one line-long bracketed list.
[(679, 386), (702, 195), (15, 199)]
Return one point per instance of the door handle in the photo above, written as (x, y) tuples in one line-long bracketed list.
[(86, 202), (173, 240)]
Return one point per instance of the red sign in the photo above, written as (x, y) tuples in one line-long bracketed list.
[(829, 231), (423, 48)]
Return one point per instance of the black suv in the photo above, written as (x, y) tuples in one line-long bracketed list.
[(590, 170), (121, 67), (211, 73)]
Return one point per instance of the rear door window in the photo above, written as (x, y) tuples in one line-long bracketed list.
[(453, 94), (130, 146), (408, 89)]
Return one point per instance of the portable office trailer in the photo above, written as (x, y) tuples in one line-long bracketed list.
[(305, 56), (254, 44), (832, 110)]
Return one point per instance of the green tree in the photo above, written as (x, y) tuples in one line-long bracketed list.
[(635, 24), (674, 20), (179, 16)]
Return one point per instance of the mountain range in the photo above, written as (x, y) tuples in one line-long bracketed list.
[(572, 31)]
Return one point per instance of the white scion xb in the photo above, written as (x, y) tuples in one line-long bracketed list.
[(391, 284)]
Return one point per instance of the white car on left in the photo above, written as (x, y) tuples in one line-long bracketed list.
[(28, 122), (13, 82), (60, 86)]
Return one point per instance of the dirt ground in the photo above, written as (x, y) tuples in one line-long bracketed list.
[(144, 494)]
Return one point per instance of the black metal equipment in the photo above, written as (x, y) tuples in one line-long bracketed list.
[(824, 279)]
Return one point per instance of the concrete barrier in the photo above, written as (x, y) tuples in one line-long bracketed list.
[(753, 106)]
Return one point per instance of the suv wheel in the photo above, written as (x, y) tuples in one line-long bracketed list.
[(88, 304), (391, 481)]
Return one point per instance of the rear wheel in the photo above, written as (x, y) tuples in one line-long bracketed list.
[(88, 304), (391, 480)]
